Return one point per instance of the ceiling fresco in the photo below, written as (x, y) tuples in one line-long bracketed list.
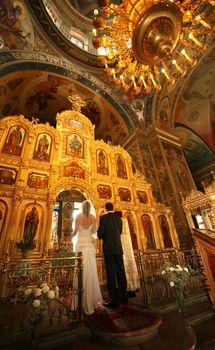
[(42, 95), (16, 30), (195, 114), (196, 106)]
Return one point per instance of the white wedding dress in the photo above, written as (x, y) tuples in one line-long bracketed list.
[(92, 297)]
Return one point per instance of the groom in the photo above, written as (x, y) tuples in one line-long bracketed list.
[(109, 230)]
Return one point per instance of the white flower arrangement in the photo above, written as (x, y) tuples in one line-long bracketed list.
[(38, 299), (176, 275)]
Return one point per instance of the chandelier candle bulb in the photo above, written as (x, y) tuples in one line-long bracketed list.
[(177, 66), (113, 73), (153, 80), (94, 32), (134, 82), (144, 83), (205, 24), (122, 79), (165, 73), (183, 52), (194, 40)]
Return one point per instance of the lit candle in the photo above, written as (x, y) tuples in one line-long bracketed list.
[(122, 79), (113, 73), (143, 80), (194, 40), (177, 66), (205, 24), (152, 79), (165, 73), (94, 32), (135, 85), (183, 52), (96, 12)]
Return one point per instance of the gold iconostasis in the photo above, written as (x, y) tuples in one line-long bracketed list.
[(38, 163)]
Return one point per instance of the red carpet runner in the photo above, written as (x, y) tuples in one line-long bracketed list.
[(129, 324)]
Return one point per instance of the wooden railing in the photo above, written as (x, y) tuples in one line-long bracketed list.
[(156, 291), (21, 274)]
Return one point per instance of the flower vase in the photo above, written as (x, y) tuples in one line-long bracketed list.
[(179, 295)]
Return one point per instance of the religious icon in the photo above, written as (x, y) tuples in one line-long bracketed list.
[(102, 165), (120, 167), (75, 146), (124, 194), (148, 230), (104, 191), (67, 220), (8, 175), (43, 148), (132, 231), (142, 196), (31, 224), (37, 181), (14, 141), (73, 169), (164, 111), (3, 212), (165, 231)]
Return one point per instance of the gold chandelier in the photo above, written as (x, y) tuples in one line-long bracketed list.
[(142, 42)]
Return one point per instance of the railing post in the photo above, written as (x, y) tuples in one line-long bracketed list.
[(80, 284), (139, 255), (4, 276)]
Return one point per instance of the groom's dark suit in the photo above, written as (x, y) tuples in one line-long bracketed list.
[(110, 229)]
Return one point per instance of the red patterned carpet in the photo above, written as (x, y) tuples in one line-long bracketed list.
[(129, 324)]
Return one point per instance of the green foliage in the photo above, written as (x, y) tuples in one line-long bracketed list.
[(175, 275), (25, 245)]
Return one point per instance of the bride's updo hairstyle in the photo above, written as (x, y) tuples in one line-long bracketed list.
[(86, 207)]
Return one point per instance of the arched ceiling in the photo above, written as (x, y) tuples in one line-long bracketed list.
[(41, 64)]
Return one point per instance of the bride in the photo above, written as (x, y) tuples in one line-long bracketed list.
[(85, 229)]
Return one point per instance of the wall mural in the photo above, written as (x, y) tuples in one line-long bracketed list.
[(92, 111), (41, 94), (3, 212), (164, 113), (195, 110), (16, 31), (192, 145), (179, 169), (138, 107)]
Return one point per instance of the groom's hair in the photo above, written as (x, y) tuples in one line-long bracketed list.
[(109, 206)]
